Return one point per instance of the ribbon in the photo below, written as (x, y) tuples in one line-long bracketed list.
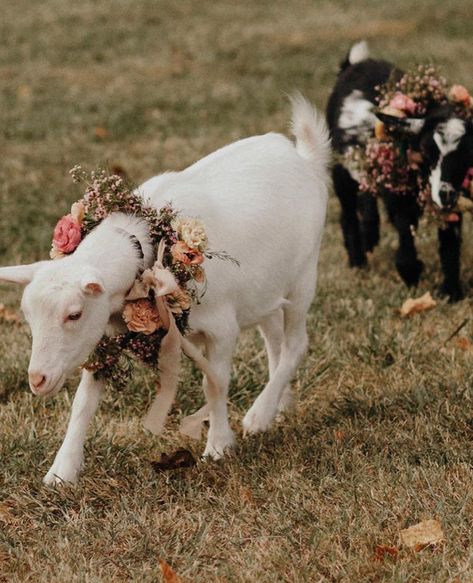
[(169, 364)]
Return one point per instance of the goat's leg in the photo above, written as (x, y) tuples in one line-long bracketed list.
[(404, 212), (264, 409), (69, 458), (449, 249), (272, 330), (368, 205), (346, 190), (220, 437)]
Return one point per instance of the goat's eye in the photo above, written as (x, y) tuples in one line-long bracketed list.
[(74, 316)]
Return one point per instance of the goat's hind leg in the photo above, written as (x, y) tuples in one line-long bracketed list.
[(368, 205), (272, 331), (68, 461), (346, 190), (264, 410)]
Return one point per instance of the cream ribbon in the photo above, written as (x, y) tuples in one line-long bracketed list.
[(169, 364)]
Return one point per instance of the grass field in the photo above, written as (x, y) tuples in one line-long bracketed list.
[(381, 434)]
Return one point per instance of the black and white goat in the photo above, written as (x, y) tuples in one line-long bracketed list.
[(446, 145)]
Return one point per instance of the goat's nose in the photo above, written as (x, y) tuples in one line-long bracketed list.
[(447, 194), (37, 381)]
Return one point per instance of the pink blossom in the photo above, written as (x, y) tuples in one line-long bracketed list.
[(403, 103), (67, 234)]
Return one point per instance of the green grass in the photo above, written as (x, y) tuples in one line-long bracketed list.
[(381, 434)]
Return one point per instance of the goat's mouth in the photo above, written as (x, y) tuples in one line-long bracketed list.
[(53, 387)]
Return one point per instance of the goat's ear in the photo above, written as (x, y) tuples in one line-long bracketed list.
[(20, 273), (410, 125), (92, 284)]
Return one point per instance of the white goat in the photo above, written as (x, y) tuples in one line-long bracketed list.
[(264, 202)]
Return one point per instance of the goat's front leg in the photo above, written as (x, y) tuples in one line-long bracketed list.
[(449, 249), (69, 458), (404, 212), (220, 437)]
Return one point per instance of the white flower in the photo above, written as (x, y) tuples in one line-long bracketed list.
[(192, 232)]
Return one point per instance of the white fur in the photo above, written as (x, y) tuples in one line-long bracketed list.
[(356, 116), (447, 137), (359, 52), (263, 201)]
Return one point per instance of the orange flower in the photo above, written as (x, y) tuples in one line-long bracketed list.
[(183, 254), (460, 94), (178, 301), (141, 316), (199, 274)]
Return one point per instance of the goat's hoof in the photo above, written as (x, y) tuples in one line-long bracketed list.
[(453, 292), (217, 446), (257, 420), (62, 474)]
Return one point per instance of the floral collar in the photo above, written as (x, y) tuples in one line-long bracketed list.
[(387, 160), (181, 246)]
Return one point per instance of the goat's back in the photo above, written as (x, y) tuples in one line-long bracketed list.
[(263, 204)]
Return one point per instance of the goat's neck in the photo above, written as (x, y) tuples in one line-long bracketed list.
[(111, 249)]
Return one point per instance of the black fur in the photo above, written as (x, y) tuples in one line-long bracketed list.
[(359, 213)]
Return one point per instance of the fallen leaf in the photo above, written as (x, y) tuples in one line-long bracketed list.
[(8, 315), (415, 305), (101, 132), (464, 343), (169, 575), (339, 435), (182, 458), (423, 534), (6, 515), (381, 551)]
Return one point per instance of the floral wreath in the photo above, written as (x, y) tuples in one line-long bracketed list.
[(157, 307), (387, 161)]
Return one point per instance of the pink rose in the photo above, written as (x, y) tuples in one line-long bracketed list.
[(67, 235), (403, 103)]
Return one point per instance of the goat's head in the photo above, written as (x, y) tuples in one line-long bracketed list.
[(446, 144), (67, 309)]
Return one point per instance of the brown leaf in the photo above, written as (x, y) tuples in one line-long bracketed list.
[(101, 133), (464, 343), (423, 534), (8, 315), (182, 458), (169, 575), (415, 305), (381, 551)]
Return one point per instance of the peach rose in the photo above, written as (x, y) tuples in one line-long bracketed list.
[(183, 254), (67, 235), (460, 94), (403, 103), (142, 316), (178, 301)]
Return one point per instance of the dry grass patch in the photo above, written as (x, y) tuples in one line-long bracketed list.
[(380, 435)]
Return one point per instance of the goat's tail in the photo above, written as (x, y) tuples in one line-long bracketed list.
[(359, 52), (311, 133)]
